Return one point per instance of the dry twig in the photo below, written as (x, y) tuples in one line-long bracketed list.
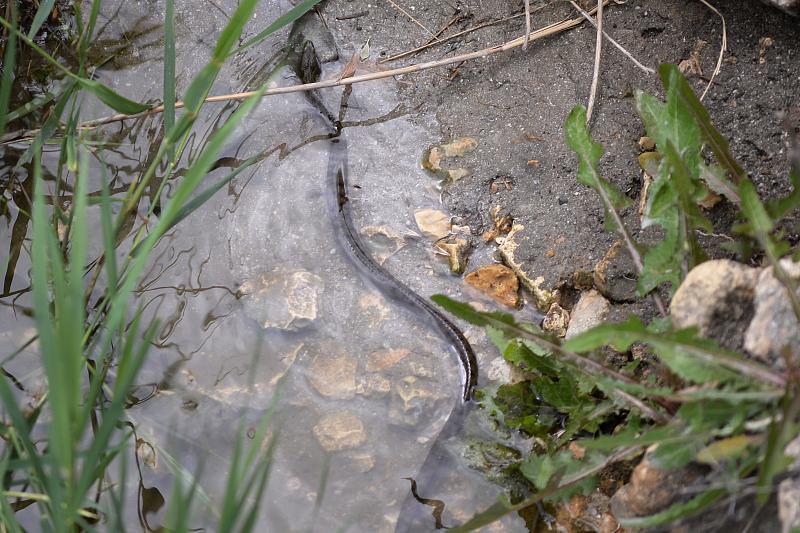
[(527, 23), (415, 21), (597, 51), (722, 48), (619, 47)]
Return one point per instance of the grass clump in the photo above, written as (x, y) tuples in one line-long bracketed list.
[(63, 458)]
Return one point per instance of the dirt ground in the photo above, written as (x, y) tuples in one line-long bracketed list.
[(514, 104)]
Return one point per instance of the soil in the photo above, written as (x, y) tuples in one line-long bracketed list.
[(515, 103)]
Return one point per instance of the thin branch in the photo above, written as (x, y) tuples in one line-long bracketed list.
[(415, 21), (722, 48), (527, 23), (619, 47), (597, 52), (541, 33), (401, 55)]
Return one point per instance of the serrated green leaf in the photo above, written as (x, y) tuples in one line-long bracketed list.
[(675, 83), (589, 154), (782, 207), (753, 209), (619, 336), (717, 180)]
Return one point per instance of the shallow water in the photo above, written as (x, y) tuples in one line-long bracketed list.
[(254, 293)]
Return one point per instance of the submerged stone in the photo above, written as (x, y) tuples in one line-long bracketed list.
[(340, 431), (286, 300)]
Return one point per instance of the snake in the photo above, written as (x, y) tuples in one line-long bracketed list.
[(439, 461), (339, 207)]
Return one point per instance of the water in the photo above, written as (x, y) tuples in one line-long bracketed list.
[(253, 293)]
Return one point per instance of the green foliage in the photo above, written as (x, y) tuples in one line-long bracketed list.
[(589, 154), (697, 402)]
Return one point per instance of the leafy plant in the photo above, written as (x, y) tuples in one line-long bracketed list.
[(698, 402)]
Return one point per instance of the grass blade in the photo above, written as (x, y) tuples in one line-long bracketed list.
[(169, 68), (287, 18), (45, 8), (9, 63)]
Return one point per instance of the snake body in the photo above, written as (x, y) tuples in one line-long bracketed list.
[(390, 286)]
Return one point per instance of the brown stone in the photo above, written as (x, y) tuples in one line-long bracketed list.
[(498, 282), (333, 373), (432, 222), (383, 359), (340, 431), (556, 320), (651, 489)]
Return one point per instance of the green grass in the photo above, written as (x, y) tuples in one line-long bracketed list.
[(91, 357)]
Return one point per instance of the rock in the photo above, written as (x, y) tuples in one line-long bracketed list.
[(333, 374), (383, 359), (362, 462), (340, 431), (413, 401), (435, 155), (374, 308), (384, 242), (497, 281), (717, 298), (647, 144), (501, 371), (373, 385), (457, 250), (286, 300), (433, 223), (586, 513), (789, 6), (508, 249), (652, 489), (789, 492), (556, 320), (615, 275), (590, 311), (774, 326)]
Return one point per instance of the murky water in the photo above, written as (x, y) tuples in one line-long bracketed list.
[(253, 292)]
